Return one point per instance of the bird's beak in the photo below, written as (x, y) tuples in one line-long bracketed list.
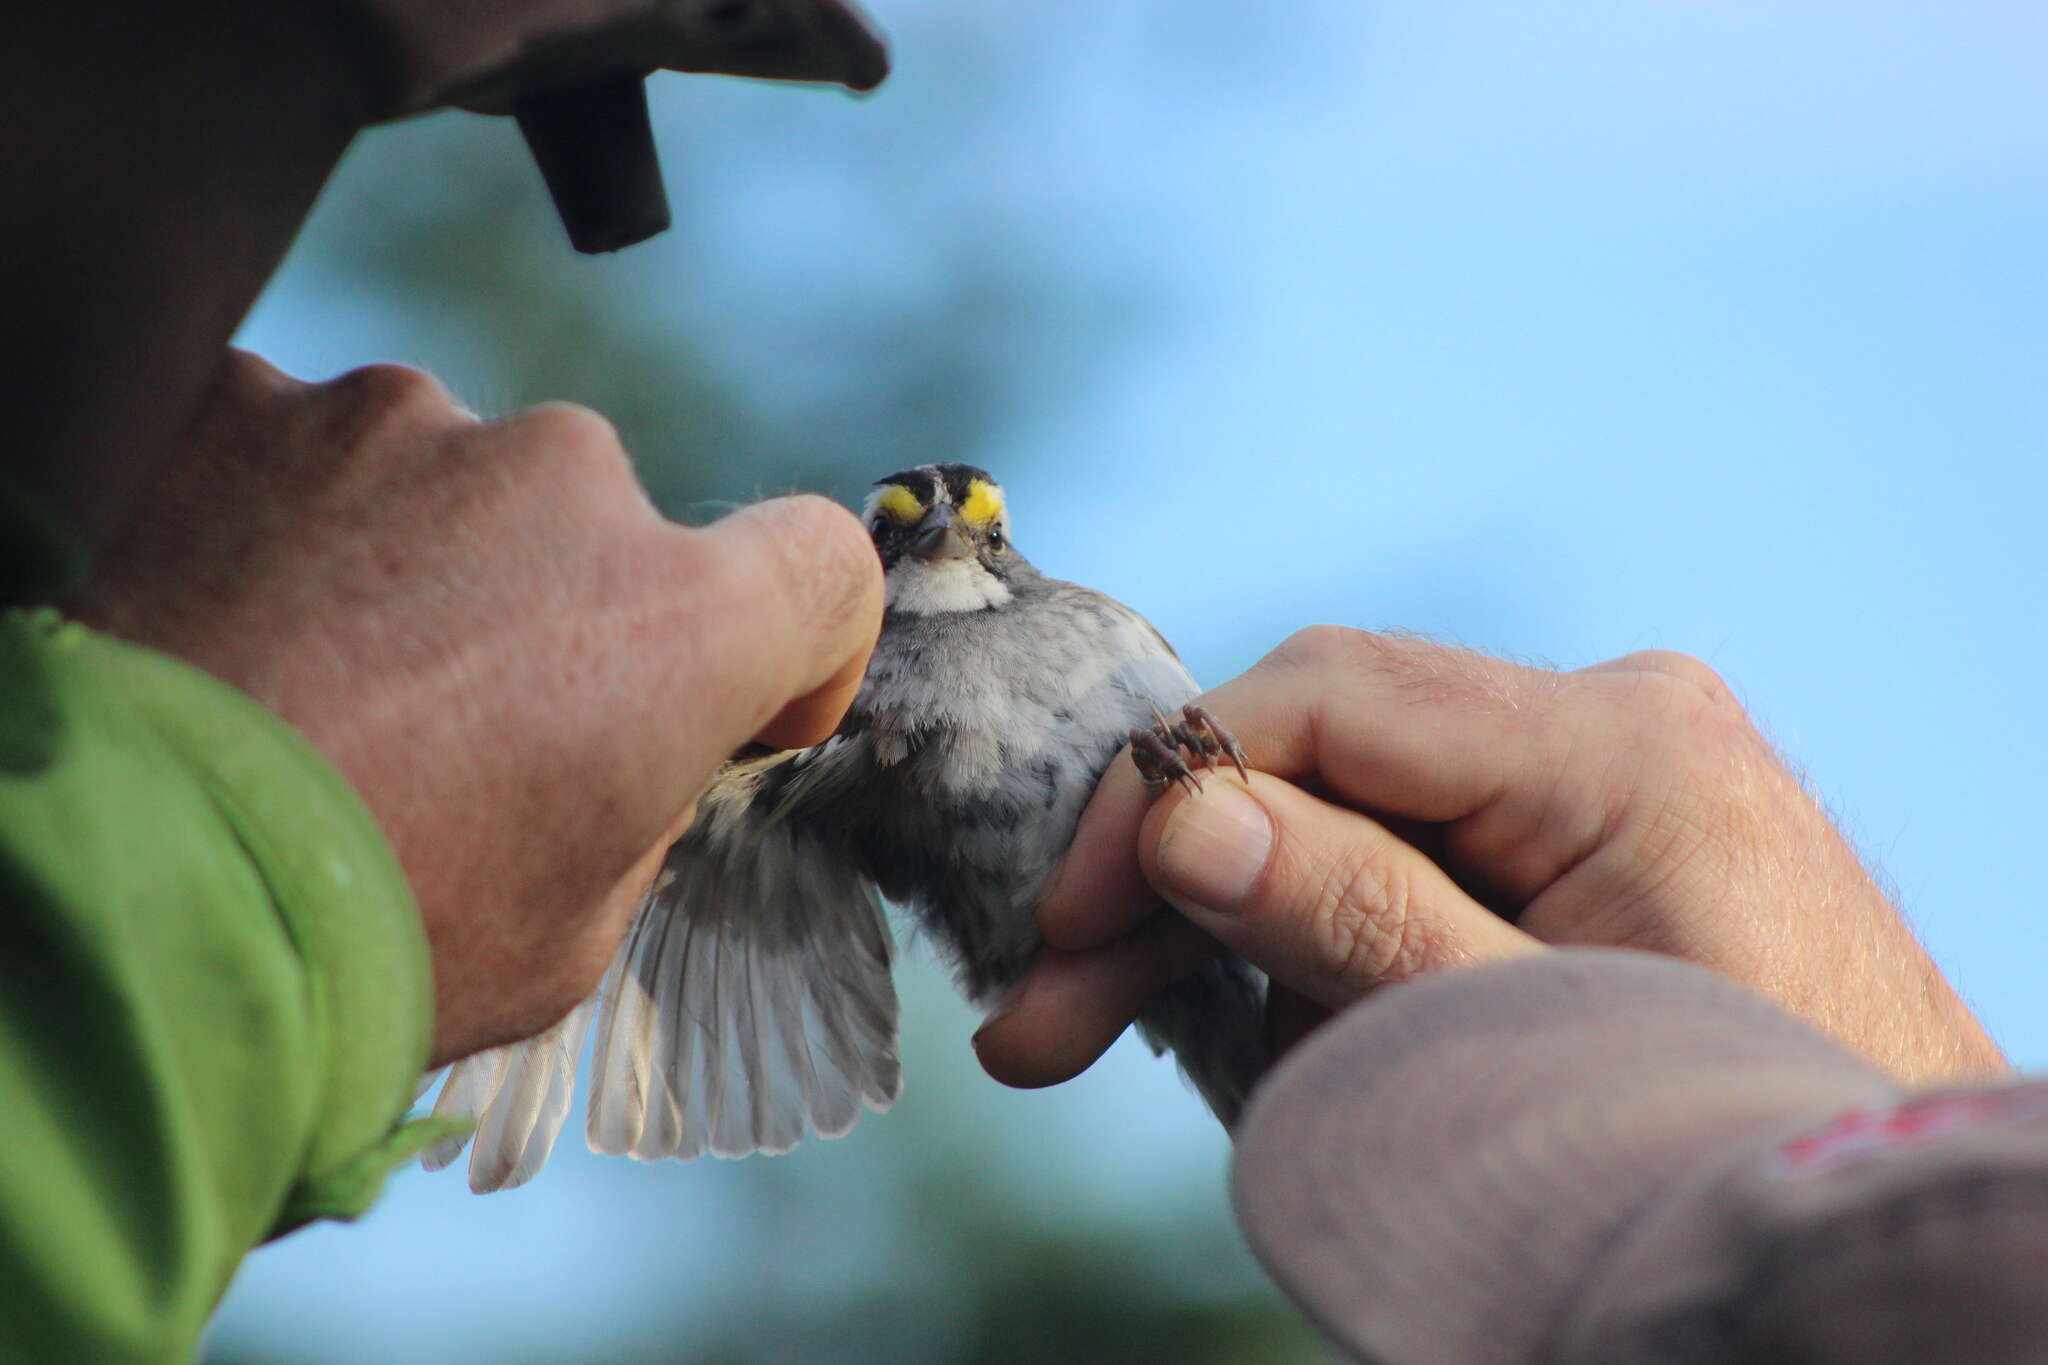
[(939, 537)]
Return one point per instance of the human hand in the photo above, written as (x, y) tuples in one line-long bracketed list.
[(1418, 807), (526, 672)]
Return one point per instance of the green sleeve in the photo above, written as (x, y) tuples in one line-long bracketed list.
[(215, 1000)]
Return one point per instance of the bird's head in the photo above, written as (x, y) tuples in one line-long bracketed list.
[(943, 532)]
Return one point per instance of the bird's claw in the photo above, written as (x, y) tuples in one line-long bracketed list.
[(1157, 752), (1215, 740), (1160, 764)]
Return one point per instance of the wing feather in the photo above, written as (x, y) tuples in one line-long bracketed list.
[(519, 1094), (518, 1128), (755, 1004), (751, 1003), (471, 1084)]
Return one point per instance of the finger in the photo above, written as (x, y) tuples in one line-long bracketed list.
[(798, 608), (246, 373), (758, 624), (1070, 1007), (382, 408), (815, 715), (1401, 727), (1099, 893), (1321, 898)]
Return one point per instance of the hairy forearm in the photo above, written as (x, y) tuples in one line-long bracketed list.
[(155, 163)]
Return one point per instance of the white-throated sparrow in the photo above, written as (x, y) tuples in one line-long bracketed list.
[(752, 999)]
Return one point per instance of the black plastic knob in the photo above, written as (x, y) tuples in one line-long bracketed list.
[(595, 149)]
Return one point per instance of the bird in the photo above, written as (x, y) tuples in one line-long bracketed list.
[(751, 1003)]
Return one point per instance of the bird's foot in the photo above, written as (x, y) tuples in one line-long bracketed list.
[(1158, 752)]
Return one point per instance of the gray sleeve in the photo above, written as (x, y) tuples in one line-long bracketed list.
[(1608, 1156)]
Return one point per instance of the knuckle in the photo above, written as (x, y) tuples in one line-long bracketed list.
[(1325, 646), (579, 438), (1673, 700), (569, 454), (393, 390), (246, 372), (1689, 725), (1427, 670), (1682, 668), (1689, 714)]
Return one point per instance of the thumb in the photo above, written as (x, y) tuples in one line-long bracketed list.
[(801, 595), (1321, 898)]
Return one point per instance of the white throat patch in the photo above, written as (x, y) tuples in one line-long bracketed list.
[(924, 588)]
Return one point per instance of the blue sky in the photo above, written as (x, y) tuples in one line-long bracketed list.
[(1559, 331)]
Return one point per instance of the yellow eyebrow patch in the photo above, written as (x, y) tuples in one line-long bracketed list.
[(984, 504), (902, 504)]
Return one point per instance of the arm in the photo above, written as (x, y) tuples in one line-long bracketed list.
[(217, 991), (214, 998), (1487, 1145), (1593, 1156), (221, 991), (523, 669)]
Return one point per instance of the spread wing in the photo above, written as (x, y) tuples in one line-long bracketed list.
[(518, 1094), (751, 1002), (753, 998)]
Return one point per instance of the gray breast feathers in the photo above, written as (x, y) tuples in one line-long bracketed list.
[(989, 732), (1061, 664)]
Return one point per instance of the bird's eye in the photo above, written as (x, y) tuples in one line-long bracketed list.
[(995, 539)]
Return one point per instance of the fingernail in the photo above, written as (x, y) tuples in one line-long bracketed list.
[(1214, 847)]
